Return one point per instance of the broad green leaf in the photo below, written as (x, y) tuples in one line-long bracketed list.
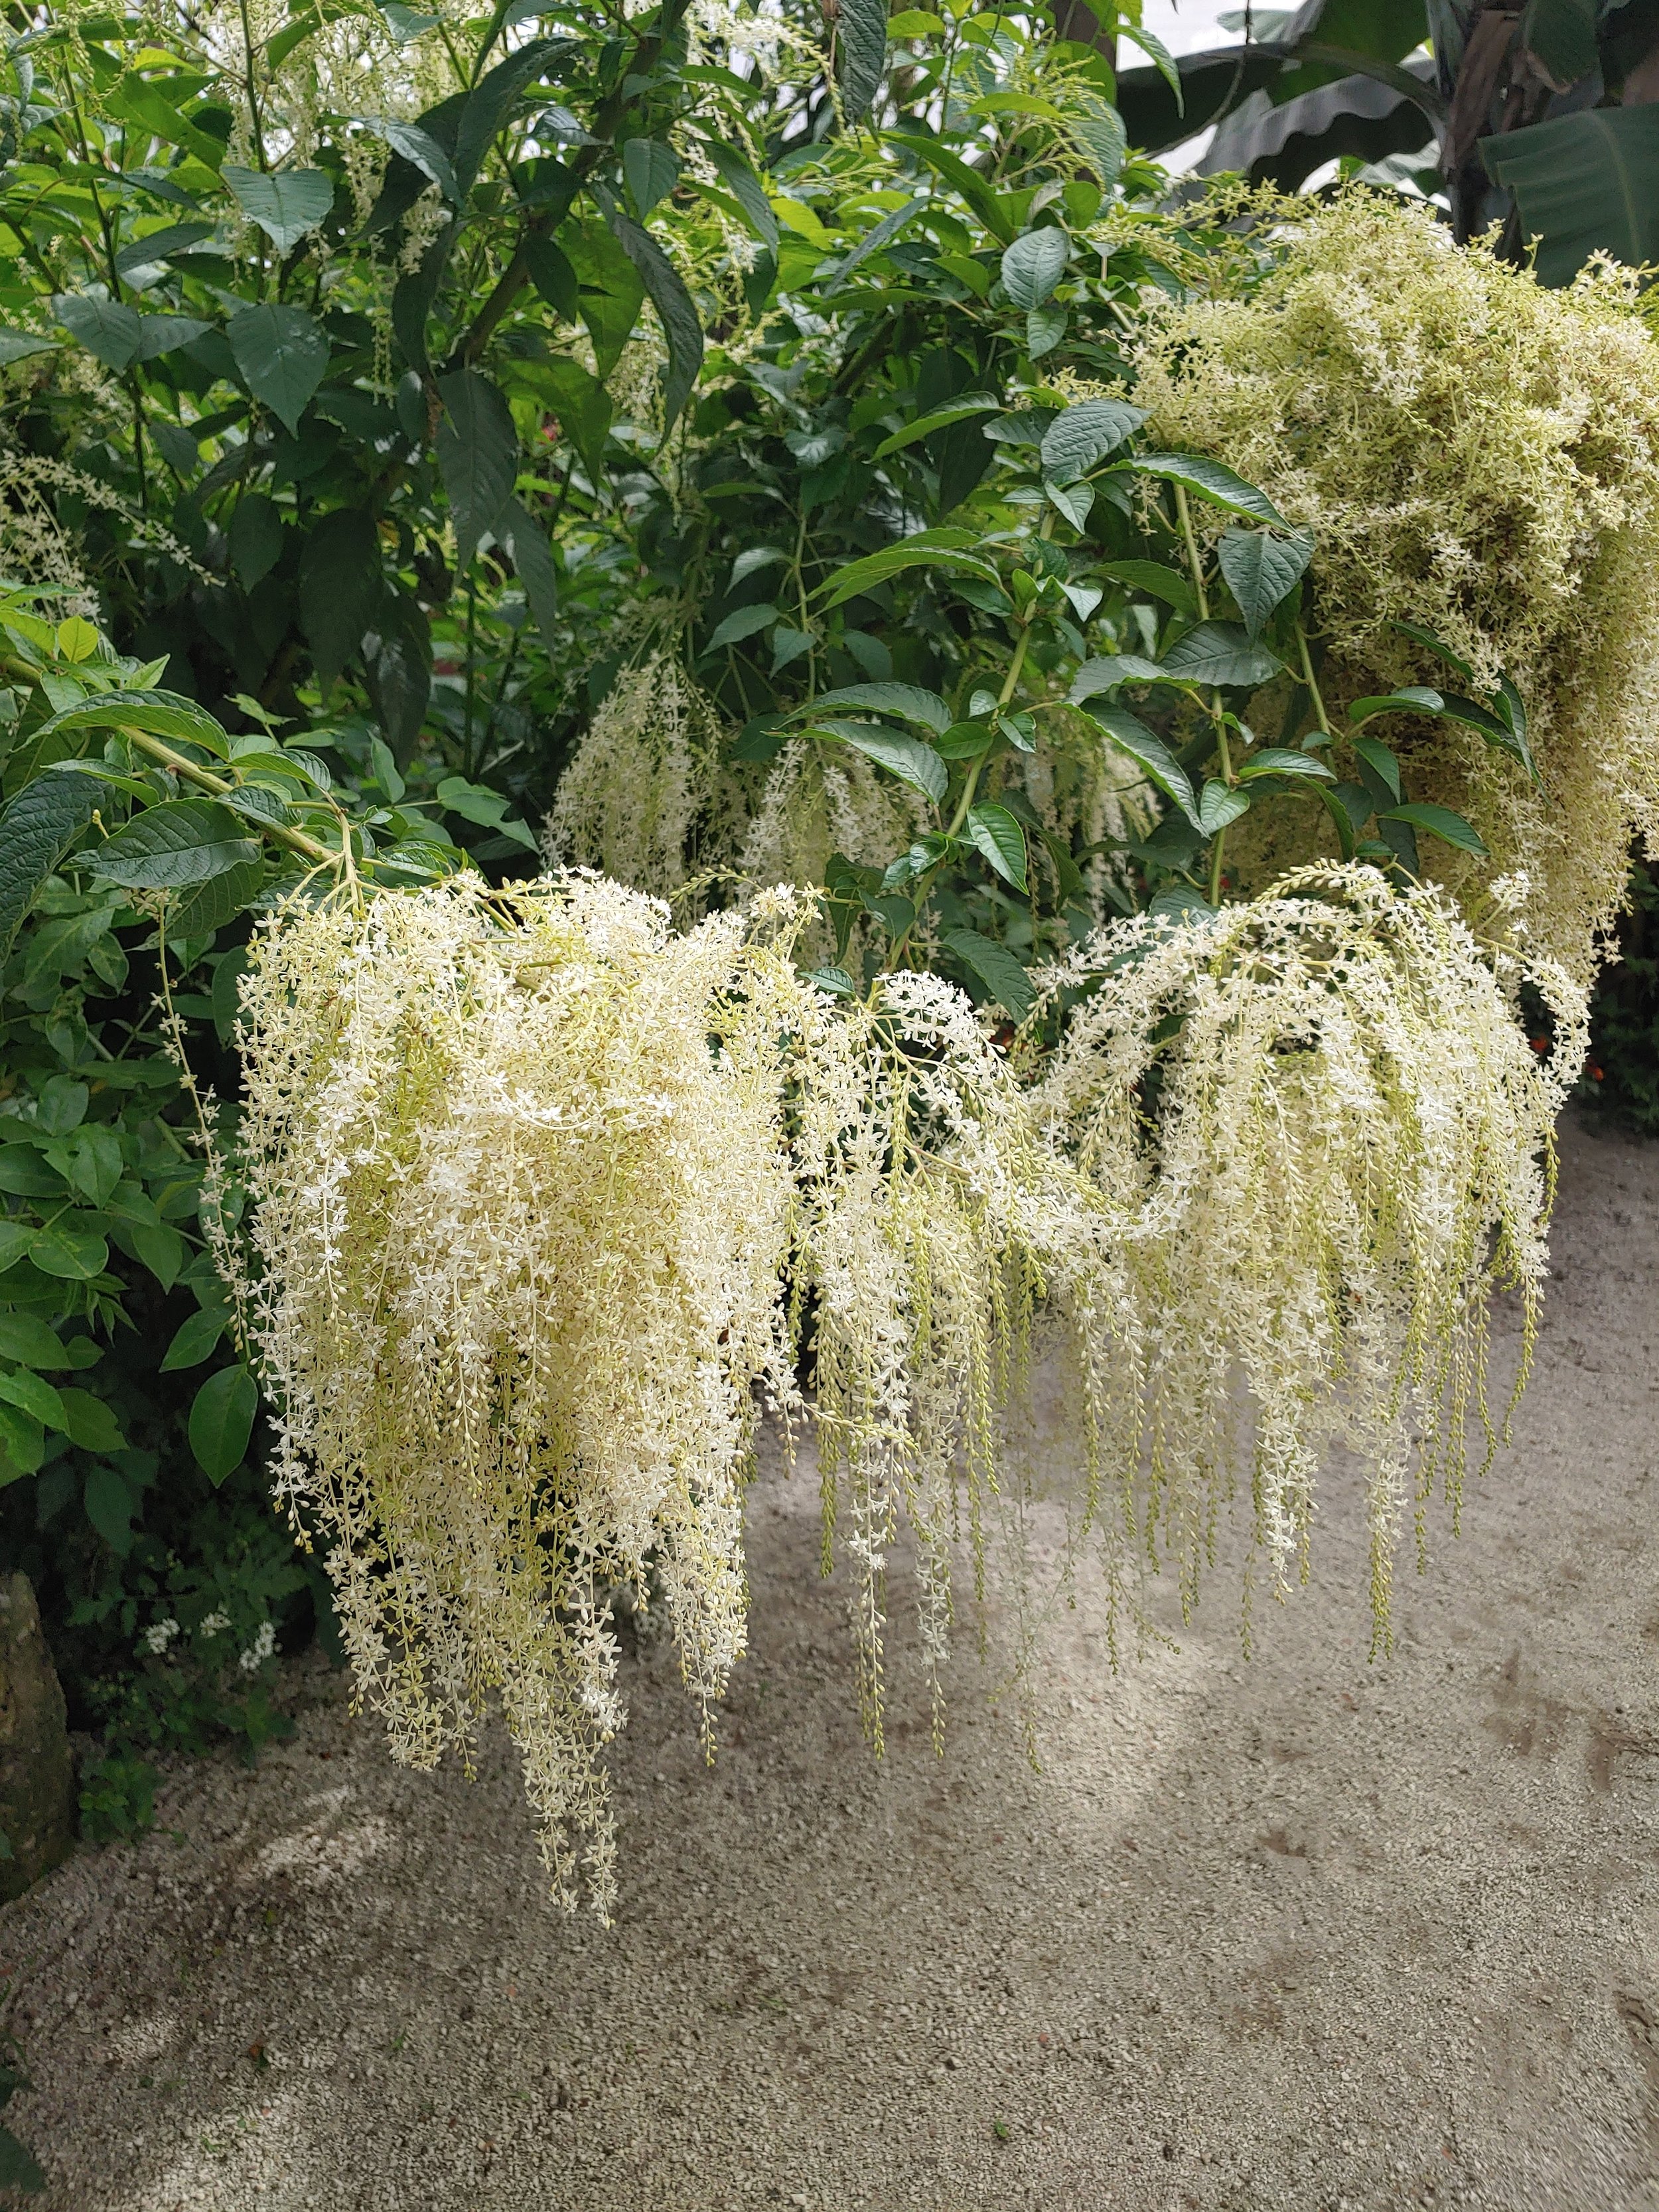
[(1261, 569), (1436, 644), (110, 1506), (477, 457), (1145, 747), (1073, 500), (281, 354), (106, 328), (158, 713), (16, 1239), (33, 1397), (746, 188), (553, 276), (1106, 673), (584, 410), (965, 740), (945, 547), (1211, 480), (907, 757), (880, 236), (161, 1248), (996, 968), (420, 149), (1379, 762), (340, 586), (1157, 581), (160, 334), (1220, 652), (975, 188), (1439, 822), (90, 1423), (407, 24), (180, 843), (1504, 731), (139, 263), (27, 1340), (526, 542), (741, 623), (860, 52), (1080, 438), (63, 1248), (22, 1444), (675, 311), (222, 1422), (195, 1339), (37, 829), (1218, 806), (1277, 760), (653, 170), (1000, 838), (255, 537), (210, 908), (1158, 53), (18, 345), (1033, 266), (288, 205), (1044, 329), (486, 106), (941, 418), (1098, 129), (908, 700), (1583, 184)]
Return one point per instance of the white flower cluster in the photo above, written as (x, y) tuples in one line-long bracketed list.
[(545, 1190), (262, 1648)]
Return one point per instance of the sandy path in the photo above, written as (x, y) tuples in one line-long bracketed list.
[(1300, 1933)]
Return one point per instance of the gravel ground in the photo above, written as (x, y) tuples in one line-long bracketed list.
[(1303, 1932)]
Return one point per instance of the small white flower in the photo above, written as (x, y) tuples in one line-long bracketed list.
[(215, 1625), (259, 1650), (158, 1637)]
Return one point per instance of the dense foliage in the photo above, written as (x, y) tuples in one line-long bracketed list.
[(719, 437)]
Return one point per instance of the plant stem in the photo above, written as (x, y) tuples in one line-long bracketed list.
[(1196, 567), (1312, 681), (204, 780), (1215, 867)]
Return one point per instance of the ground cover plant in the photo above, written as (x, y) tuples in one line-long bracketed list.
[(1063, 857)]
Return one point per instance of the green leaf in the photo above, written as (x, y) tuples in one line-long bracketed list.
[(422, 150), (181, 841), (1158, 54), (551, 273), (18, 345), (1044, 329), (288, 205), (1506, 730), (584, 410), (33, 1397), (1110, 670), (27, 1340), (526, 542), (68, 1252), (944, 548), (105, 327), (999, 836), (860, 53), (1261, 569), (1154, 579), (160, 714), (1439, 822), (37, 829), (22, 1442), (1381, 765), (1583, 183), (746, 188), (16, 1239), (161, 1249), (1080, 438), (1218, 806), (1277, 760), (651, 169), (1033, 266), (675, 311), (1073, 500), (475, 802), (741, 623), (908, 700), (217, 902), (1098, 128), (18, 2168), (1144, 746), (195, 1339), (340, 586), (975, 189), (90, 1424), (255, 537), (1220, 652), (477, 457), (221, 1421), (996, 968), (110, 1506), (1211, 480), (941, 418), (281, 354), (1561, 34), (907, 757), (487, 105)]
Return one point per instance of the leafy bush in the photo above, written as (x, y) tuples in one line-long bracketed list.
[(719, 435)]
